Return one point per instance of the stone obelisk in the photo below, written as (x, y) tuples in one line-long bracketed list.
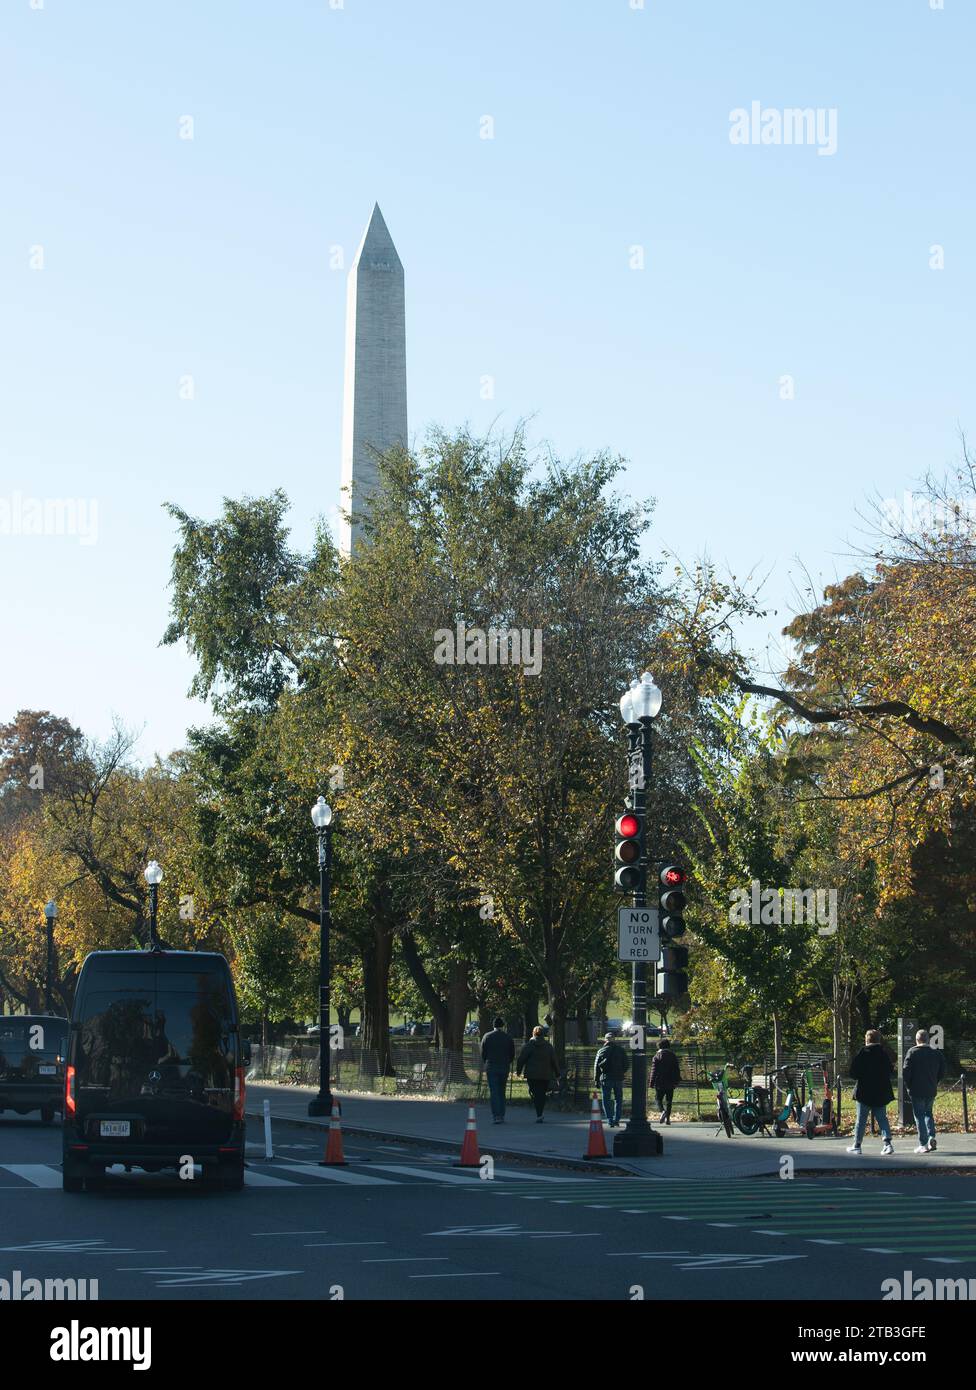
[(374, 413)]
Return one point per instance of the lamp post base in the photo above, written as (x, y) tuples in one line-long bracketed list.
[(321, 1105), (639, 1143)]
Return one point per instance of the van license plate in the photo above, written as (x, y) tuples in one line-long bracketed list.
[(114, 1129), (47, 1071)]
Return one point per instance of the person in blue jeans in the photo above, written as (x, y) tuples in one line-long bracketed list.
[(609, 1069), (872, 1070), (497, 1054), (924, 1068)]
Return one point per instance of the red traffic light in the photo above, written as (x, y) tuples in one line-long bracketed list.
[(673, 877), (628, 826)]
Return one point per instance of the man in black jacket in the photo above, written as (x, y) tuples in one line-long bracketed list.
[(609, 1069), (924, 1068), (665, 1075), (498, 1054), (872, 1071)]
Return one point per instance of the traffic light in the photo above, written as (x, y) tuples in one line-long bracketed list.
[(628, 874), (673, 900), (673, 977)]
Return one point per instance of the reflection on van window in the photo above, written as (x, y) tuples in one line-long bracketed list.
[(167, 1041)]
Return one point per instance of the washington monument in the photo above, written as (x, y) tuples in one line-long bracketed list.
[(374, 411)]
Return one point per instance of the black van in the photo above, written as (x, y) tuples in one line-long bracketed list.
[(155, 1068), (32, 1048)]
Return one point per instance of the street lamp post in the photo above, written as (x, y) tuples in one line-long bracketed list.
[(50, 912), (154, 876), (638, 706), (322, 820)]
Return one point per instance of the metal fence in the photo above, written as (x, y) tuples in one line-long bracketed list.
[(420, 1069)]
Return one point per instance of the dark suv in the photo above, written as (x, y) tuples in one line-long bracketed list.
[(32, 1048), (155, 1074)]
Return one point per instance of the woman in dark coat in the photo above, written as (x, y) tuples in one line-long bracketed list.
[(538, 1061), (872, 1070)]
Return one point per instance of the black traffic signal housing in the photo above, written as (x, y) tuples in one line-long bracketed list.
[(672, 977), (628, 870), (673, 901)]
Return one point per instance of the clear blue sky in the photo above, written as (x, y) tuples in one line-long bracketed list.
[(166, 257)]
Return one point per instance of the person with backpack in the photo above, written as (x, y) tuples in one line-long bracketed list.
[(664, 1077), (498, 1054), (872, 1070), (609, 1069), (924, 1068), (538, 1061)]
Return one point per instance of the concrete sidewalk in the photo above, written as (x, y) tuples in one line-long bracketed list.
[(690, 1150)]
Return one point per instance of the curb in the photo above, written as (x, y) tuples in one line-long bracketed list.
[(578, 1165)]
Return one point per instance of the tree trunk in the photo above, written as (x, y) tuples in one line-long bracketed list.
[(264, 1034), (530, 1010), (558, 1011), (583, 1022), (344, 1015), (862, 1004), (450, 1014), (377, 1059), (777, 1045)]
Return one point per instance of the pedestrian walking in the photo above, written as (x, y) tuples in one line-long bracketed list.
[(609, 1069), (537, 1061), (872, 1070), (498, 1054), (665, 1075), (924, 1068)]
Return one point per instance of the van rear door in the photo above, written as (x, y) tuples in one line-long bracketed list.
[(156, 1046)]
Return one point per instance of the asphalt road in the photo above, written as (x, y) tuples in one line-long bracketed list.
[(401, 1223)]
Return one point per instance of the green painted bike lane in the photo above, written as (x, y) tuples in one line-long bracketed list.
[(883, 1222)]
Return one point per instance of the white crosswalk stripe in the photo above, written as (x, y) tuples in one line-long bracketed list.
[(346, 1175), (37, 1174), (289, 1173)]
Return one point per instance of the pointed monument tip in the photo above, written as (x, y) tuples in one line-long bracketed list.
[(377, 244)]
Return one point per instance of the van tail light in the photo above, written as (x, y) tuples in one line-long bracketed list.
[(239, 1093), (69, 1091)]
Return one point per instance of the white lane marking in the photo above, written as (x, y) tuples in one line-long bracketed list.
[(504, 1175), (405, 1259), (289, 1233), (331, 1244), (252, 1179), (197, 1276), (431, 1177), (37, 1174), (336, 1175), (460, 1274)]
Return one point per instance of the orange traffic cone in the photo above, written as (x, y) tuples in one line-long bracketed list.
[(334, 1156), (470, 1157), (597, 1145)]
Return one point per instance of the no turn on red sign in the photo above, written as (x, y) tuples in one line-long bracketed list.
[(638, 935)]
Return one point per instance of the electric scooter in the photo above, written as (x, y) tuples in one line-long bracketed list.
[(816, 1120), (757, 1111), (717, 1078)]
